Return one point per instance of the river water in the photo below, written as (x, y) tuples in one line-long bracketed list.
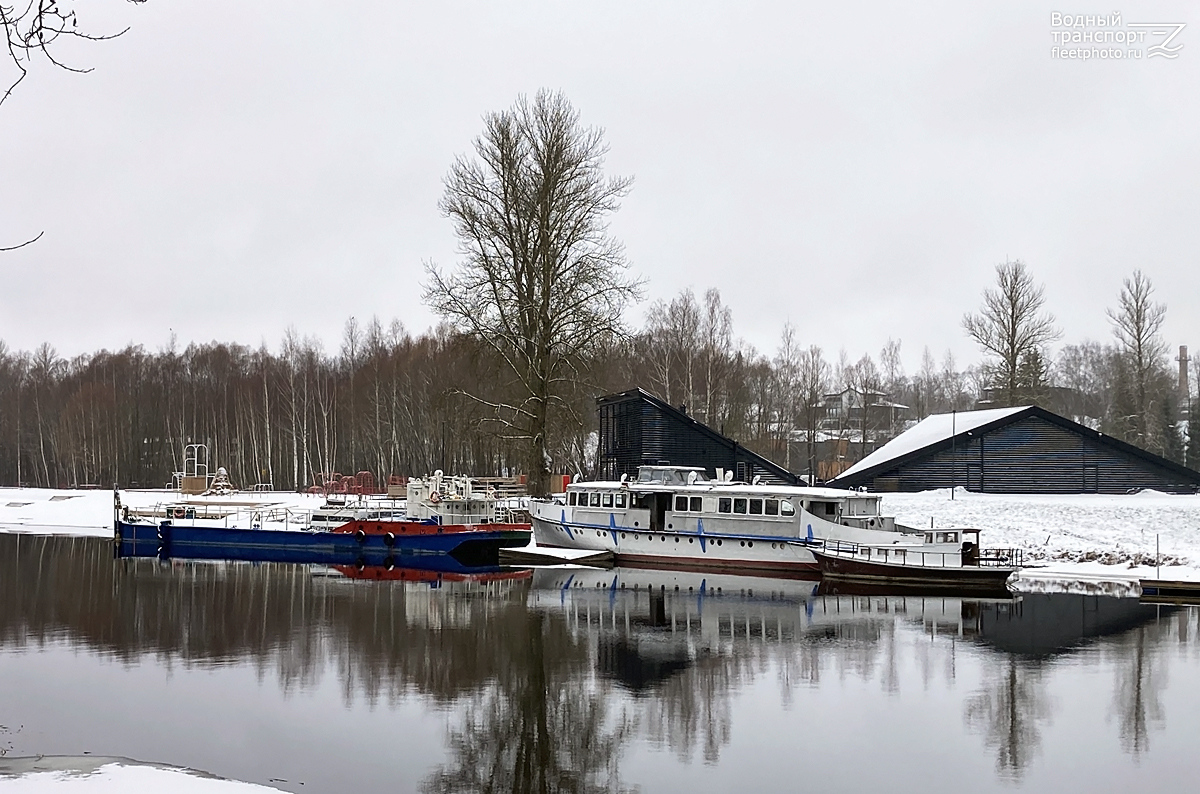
[(311, 680)]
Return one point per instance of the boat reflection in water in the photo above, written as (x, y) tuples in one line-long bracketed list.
[(578, 675), (650, 625)]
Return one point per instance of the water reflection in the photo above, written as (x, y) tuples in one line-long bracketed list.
[(552, 680)]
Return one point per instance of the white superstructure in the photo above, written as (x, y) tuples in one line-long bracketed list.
[(676, 515)]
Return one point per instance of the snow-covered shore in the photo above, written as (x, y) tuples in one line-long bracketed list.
[(1083, 536), (111, 775), (1078, 535), (46, 511)]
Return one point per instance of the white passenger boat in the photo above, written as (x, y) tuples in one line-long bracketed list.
[(679, 516)]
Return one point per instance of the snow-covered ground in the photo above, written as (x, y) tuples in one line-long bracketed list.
[(48, 511), (1086, 536), (111, 776), (1083, 536)]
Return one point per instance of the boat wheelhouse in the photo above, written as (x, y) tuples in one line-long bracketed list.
[(679, 515)]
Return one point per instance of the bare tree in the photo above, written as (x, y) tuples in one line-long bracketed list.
[(716, 328), (32, 28), (541, 282), (672, 333), (1011, 326), (1137, 324), (787, 378), (812, 383)]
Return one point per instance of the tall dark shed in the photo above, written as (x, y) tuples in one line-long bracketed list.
[(637, 429), (1014, 450)]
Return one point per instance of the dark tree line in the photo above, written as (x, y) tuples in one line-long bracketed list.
[(390, 403)]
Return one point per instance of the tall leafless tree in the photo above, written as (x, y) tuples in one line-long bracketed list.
[(1011, 326), (1137, 324), (541, 281)]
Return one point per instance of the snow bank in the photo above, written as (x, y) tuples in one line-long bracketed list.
[(1077, 534), (111, 776), (48, 511)]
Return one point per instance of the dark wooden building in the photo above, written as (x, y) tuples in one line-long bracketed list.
[(638, 429), (1014, 450)]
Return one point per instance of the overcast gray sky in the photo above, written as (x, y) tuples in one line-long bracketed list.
[(230, 169)]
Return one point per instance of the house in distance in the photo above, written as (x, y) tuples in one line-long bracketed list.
[(1026, 450)]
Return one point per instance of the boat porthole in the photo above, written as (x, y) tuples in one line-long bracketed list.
[(676, 588), (676, 540), (750, 543), (689, 588), (691, 540), (670, 526), (622, 585), (718, 541), (741, 543), (635, 523), (718, 589), (622, 536)]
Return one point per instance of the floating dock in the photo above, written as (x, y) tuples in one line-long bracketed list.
[(1170, 591)]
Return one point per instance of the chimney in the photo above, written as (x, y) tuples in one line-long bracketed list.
[(1184, 392)]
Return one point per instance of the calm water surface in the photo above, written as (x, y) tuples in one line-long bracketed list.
[(583, 681)]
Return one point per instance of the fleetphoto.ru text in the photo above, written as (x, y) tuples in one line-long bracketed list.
[(1086, 37)]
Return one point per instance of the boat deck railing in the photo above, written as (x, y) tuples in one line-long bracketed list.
[(914, 555)]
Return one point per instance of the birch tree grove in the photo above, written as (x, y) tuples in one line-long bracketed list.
[(541, 282)]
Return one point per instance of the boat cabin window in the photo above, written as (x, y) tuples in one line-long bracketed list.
[(785, 507), (739, 506), (947, 537), (619, 500), (670, 476), (594, 499), (823, 508), (693, 504), (771, 507), (607, 500), (572, 498), (929, 537), (724, 505), (756, 507)]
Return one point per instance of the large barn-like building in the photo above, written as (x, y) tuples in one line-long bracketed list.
[(1014, 450), (637, 428)]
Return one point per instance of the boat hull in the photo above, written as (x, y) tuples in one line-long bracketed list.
[(475, 543), (844, 568), (691, 551)]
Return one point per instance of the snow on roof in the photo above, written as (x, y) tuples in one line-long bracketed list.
[(930, 430)]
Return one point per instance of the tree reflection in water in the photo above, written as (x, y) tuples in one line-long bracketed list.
[(537, 727), (1137, 699), (546, 686)]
